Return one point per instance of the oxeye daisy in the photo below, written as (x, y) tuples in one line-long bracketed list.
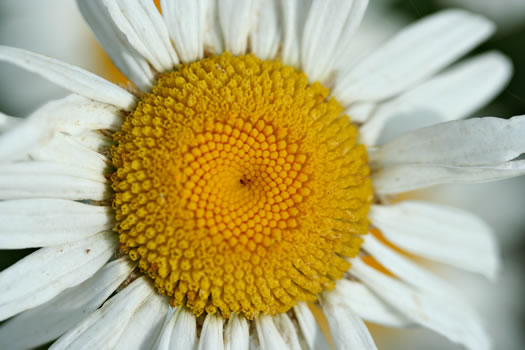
[(248, 180)]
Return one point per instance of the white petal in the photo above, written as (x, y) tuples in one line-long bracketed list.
[(294, 14), (287, 331), (69, 77), (348, 330), (310, 330), (142, 24), (213, 42), (30, 133), (449, 235), (268, 335), (186, 24), (73, 115), (28, 330), (405, 269), (361, 111), (68, 150), (8, 122), (76, 114), (114, 42), (94, 140), (236, 19), (402, 178), (46, 222), (211, 334), (42, 275), (40, 179), (472, 142), (236, 334), (179, 332), (445, 316), (104, 327), (414, 54), (367, 305), (452, 95), (328, 24), (265, 36), (145, 325)]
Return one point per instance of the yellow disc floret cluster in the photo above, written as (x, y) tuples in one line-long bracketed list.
[(239, 187)]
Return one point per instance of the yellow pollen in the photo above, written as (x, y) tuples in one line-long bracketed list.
[(239, 187)]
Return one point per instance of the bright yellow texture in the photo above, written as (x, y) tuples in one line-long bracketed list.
[(239, 186)]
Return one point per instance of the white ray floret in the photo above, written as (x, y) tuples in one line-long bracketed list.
[(440, 233), (44, 274), (69, 77), (452, 95), (180, 331), (443, 315), (348, 330), (114, 42), (236, 334), (48, 321), (96, 331), (212, 333), (45, 222), (145, 325), (396, 66)]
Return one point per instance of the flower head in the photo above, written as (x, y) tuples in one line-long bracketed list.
[(242, 180)]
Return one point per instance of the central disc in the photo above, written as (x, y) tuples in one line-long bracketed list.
[(239, 187)]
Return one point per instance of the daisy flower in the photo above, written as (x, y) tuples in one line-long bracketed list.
[(239, 186)]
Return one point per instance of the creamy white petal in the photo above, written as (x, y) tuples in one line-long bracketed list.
[(345, 52), (361, 111), (31, 133), (123, 55), (69, 77), (42, 275), (472, 142), (40, 179), (449, 235), (236, 334), (311, 333), (73, 114), (367, 305), (52, 319), (213, 41), (45, 222), (104, 327), (452, 95), (412, 55), (236, 19), (180, 332), (287, 330), (268, 335), (142, 24), (76, 114), (265, 36), (145, 325), (94, 140), (406, 269), (402, 178), (328, 24), (445, 316), (8, 122), (186, 24), (68, 150), (294, 14), (211, 334), (348, 330)]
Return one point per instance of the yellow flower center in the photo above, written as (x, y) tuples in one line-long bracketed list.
[(239, 187)]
